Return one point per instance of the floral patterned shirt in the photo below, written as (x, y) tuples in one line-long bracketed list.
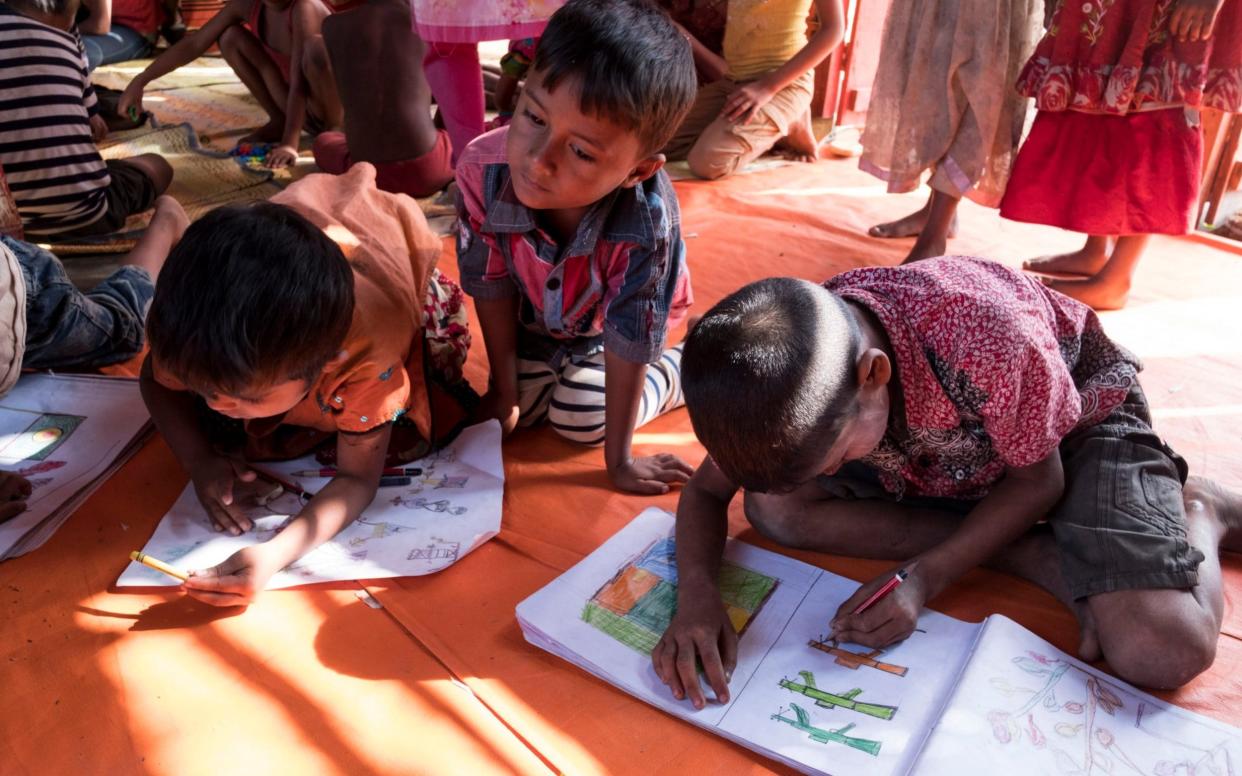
[(993, 371)]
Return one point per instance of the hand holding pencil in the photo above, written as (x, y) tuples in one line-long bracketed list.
[(883, 611)]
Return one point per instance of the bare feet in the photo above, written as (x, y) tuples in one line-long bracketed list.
[(167, 225), (271, 132), (928, 246), (800, 144), (1220, 505), (909, 226), (1099, 292), (1087, 261)]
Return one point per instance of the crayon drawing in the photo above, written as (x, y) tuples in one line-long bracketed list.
[(802, 721), (847, 700), (637, 604), (1073, 722), (855, 660), (400, 533), (33, 436)]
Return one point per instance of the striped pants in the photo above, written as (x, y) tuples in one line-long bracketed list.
[(571, 398)]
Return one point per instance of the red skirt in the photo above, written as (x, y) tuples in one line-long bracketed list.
[(1108, 175)]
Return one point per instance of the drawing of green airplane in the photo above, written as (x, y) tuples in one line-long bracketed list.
[(844, 700), (821, 736)]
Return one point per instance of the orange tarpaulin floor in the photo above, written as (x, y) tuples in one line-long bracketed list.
[(431, 674)]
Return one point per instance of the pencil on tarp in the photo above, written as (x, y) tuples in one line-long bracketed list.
[(158, 565)]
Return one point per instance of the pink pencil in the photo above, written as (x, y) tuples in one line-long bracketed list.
[(887, 588)]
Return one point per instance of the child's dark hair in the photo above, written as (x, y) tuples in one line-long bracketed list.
[(251, 296), (49, 7), (769, 380), (635, 68)]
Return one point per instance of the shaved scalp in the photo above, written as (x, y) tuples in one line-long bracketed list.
[(769, 380)]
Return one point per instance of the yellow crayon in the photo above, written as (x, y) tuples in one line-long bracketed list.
[(158, 565)]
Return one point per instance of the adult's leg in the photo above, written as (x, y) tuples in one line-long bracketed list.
[(261, 76), (456, 80), (1086, 261), (1109, 288), (323, 102)]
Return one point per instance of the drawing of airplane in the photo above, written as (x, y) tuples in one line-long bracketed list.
[(844, 700), (821, 736), (853, 660)]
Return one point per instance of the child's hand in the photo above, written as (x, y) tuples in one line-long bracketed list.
[(1193, 20), (652, 474), (235, 582), (700, 630), (889, 620), (14, 490), (502, 408), (131, 98), (745, 101), (99, 128), (282, 156), (221, 484)]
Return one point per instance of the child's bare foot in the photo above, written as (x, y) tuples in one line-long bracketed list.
[(1086, 261), (800, 144), (271, 132), (909, 226), (1099, 292), (167, 225), (928, 246), (1218, 504)]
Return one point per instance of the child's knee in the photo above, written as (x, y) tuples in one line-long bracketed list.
[(1162, 652), (315, 60), (716, 153), (772, 517)]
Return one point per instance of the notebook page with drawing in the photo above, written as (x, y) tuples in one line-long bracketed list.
[(1024, 707), (449, 508), (65, 434), (954, 697), (816, 705)]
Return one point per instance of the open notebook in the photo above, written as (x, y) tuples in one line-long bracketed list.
[(66, 434), (956, 697)]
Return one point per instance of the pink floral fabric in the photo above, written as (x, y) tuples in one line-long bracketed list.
[(1117, 56), (994, 370)]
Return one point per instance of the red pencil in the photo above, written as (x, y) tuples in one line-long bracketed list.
[(887, 588)]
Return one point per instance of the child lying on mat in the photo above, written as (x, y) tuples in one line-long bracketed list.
[(47, 323), (933, 414), (570, 236), (50, 124), (278, 326), (275, 48)]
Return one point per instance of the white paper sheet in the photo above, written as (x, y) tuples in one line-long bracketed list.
[(64, 433), (914, 679), (447, 511), (1024, 707)]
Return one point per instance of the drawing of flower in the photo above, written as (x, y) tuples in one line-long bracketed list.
[(1000, 726), (1107, 699), (1037, 736), (1073, 707), (1040, 658), (1067, 730), (1030, 666)]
